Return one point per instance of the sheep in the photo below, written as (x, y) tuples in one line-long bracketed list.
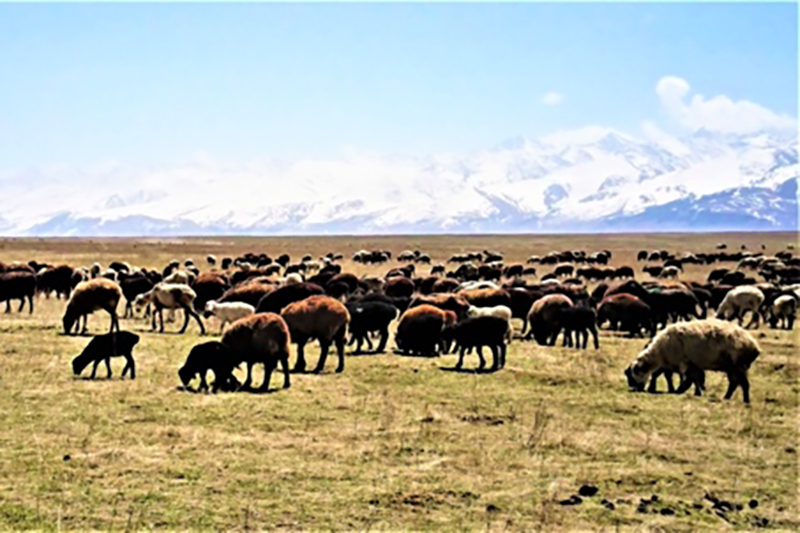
[(369, 316), (626, 312), (18, 285), (578, 320), (782, 311), (56, 279), (179, 277), (739, 301), (694, 347), (293, 278), (475, 285), (88, 297), (542, 317), (170, 296), (251, 293), (476, 332), (260, 338), (103, 348), (444, 285), (317, 317), (132, 286), (275, 301), (211, 260), (486, 297), (499, 311), (228, 312), (671, 272), (420, 330), (445, 302), (399, 286), (374, 283), (212, 356)]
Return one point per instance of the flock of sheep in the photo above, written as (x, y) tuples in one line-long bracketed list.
[(265, 304)]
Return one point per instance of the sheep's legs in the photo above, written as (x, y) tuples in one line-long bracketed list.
[(131, 365), (461, 357), (108, 367), (249, 380), (496, 357), (596, 340), (300, 365), (736, 379), (85, 324), (8, 306), (324, 346), (267, 377), (188, 311), (339, 342), (21, 304), (384, 340), (94, 369), (482, 363), (30, 304), (284, 359)]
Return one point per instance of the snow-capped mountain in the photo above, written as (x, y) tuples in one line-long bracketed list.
[(594, 179)]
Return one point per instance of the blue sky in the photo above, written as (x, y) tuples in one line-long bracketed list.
[(152, 84)]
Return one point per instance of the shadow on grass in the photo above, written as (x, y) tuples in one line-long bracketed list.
[(468, 370)]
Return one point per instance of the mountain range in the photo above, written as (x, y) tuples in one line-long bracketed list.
[(589, 180)]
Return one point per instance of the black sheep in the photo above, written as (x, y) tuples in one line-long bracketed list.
[(212, 356), (579, 320), (103, 348), (369, 316), (476, 332)]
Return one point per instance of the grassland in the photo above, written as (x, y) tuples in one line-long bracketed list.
[(393, 442)]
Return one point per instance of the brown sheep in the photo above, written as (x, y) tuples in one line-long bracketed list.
[(250, 293), (399, 286), (17, 285), (444, 301), (260, 338), (317, 317), (88, 297), (543, 317), (445, 285), (486, 297), (208, 286), (420, 330)]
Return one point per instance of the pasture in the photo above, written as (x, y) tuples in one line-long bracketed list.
[(394, 442)]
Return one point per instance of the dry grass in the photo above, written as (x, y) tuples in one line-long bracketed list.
[(394, 442)]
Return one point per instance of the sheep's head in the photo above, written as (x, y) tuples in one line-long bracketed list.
[(208, 312), (78, 364), (139, 304), (637, 374), (186, 374), (68, 321)]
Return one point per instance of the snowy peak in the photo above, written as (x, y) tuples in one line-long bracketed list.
[(591, 179)]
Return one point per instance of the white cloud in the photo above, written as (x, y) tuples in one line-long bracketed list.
[(718, 113), (552, 98)]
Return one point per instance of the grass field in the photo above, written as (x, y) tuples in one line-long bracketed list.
[(394, 442)]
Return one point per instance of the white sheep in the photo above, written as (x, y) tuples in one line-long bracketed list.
[(782, 312), (499, 311), (693, 347), (169, 296), (293, 279), (228, 312), (312, 267), (470, 285), (739, 301), (671, 272), (179, 277)]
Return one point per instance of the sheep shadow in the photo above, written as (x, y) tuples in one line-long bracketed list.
[(365, 353), (416, 356), (468, 370)]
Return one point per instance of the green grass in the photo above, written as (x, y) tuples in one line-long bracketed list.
[(392, 443)]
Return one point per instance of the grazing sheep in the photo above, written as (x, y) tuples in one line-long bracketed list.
[(170, 296), (476, 332), (694, 347), (132, 286), (578, 320), (276, 300), (252, 293), (18, 285), (367, 317), (499, 311), (228, 312), (420, 330), (626, 312), (103, 348), (213, 356), (179, 277), (670, 272), (260, 338), (445, 302), (782, 312), (317, 317), (542, 317), (88, 297), (211, 259), (739, 301), (56, 279)]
